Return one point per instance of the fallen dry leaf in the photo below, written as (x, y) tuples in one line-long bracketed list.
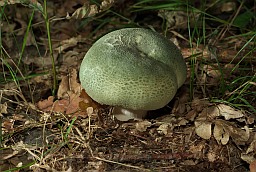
[(46, 105), (41, 62), (106, 4), (88, 102), (223, 129), (228, 112), (163, 129), (3, 108), (248, 158), (69, 84), (88, 10), (203, 129), (238, 135), (7, 126), (199, 104), (178, 19), (253, 166), (191, 115), (30, 3), (67, 105), (210, 75), (252, 146), (143, 125), (197, 150), (68, 43), (71, 58), (85, 11), (63, 86), (73, 104), (212, 156), (180, 104), (74, 85), (220, 134)]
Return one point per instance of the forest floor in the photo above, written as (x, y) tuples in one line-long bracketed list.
[(199, 130)]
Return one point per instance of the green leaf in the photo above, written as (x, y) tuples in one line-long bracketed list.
[(243, 19)]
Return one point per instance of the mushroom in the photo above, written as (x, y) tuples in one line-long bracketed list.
[(133, 69)]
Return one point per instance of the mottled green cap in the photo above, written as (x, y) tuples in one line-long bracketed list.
[(133, 68)]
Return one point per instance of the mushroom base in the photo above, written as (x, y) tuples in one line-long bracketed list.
[(123, 114)]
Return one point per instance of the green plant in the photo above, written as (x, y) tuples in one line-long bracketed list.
[(47, 23)]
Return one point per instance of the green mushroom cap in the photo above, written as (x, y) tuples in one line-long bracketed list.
[(133, 68)]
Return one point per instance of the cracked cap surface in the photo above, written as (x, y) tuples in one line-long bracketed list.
[(134, 68)]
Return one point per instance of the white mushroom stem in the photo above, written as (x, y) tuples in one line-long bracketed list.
[(123, 114)]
